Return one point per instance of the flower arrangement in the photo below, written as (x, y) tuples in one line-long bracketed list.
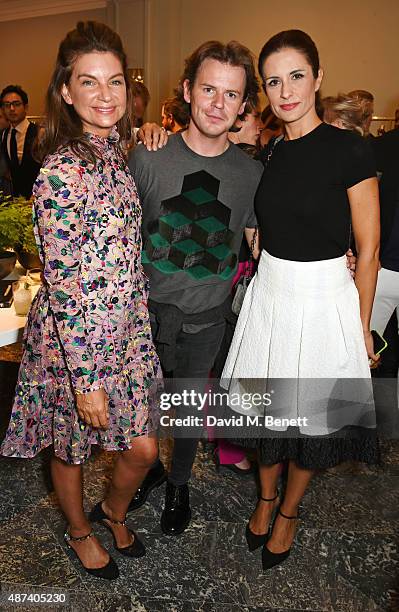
[(16, 226)]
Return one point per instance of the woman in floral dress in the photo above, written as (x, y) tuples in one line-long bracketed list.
[(89, 370)]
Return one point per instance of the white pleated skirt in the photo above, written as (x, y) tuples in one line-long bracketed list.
[(300, 321)]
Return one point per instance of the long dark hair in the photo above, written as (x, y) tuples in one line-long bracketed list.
[(232, 53), (63, 125)]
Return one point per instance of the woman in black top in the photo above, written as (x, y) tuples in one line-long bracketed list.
[(301, 318)]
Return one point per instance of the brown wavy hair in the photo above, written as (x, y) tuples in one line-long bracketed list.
[(63, 125), (173, 107), (232, 53)]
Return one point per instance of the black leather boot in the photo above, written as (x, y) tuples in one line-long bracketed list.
[(155, 477), (177, 513)]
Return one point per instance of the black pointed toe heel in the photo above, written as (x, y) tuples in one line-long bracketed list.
[(255, 540), (135, 549), (270, 559), (108, 572)]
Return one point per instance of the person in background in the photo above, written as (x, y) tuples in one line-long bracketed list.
[(5, 183), (245, 132), (386, 302), (272, 126), (300, 318), (89, 365), (141, 98), (348, 113), (344, 112), (17, 141), (174, 115), (366, 101)]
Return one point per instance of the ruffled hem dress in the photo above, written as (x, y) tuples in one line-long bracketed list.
[(88, 327)]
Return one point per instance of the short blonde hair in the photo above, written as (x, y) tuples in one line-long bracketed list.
[(349, 110), (366, 102)]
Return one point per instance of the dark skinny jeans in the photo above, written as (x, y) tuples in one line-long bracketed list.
[(195, 356)]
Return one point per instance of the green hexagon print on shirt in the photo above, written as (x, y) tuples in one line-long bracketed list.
[(192, 233)]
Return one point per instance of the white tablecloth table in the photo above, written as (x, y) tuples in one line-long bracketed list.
[(12, 325)]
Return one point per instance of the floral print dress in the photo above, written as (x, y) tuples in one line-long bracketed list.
[(88, 327)]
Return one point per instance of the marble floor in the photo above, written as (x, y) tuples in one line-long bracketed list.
[(345, 558)]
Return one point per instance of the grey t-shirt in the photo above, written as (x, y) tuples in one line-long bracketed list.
[(195, 209)]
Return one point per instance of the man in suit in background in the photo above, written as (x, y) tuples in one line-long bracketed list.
[(4, 174), (17, 141)]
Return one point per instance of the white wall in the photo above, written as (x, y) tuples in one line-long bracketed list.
[(358, 40), (163, 51), (29, 46), (29, 49), (129, 23)]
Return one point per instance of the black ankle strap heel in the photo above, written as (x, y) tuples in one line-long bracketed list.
[(108, 572), (269, 499), (255, 540), (135, 549), (69, 538), (270, 559), (287, 517)]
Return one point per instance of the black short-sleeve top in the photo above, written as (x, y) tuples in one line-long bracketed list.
[(302, 204)]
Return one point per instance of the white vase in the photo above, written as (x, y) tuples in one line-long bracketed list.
[(22, 296)]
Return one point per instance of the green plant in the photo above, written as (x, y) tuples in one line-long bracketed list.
[(16, 226)]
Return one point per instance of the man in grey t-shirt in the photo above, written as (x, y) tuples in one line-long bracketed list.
[(197, 197)]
